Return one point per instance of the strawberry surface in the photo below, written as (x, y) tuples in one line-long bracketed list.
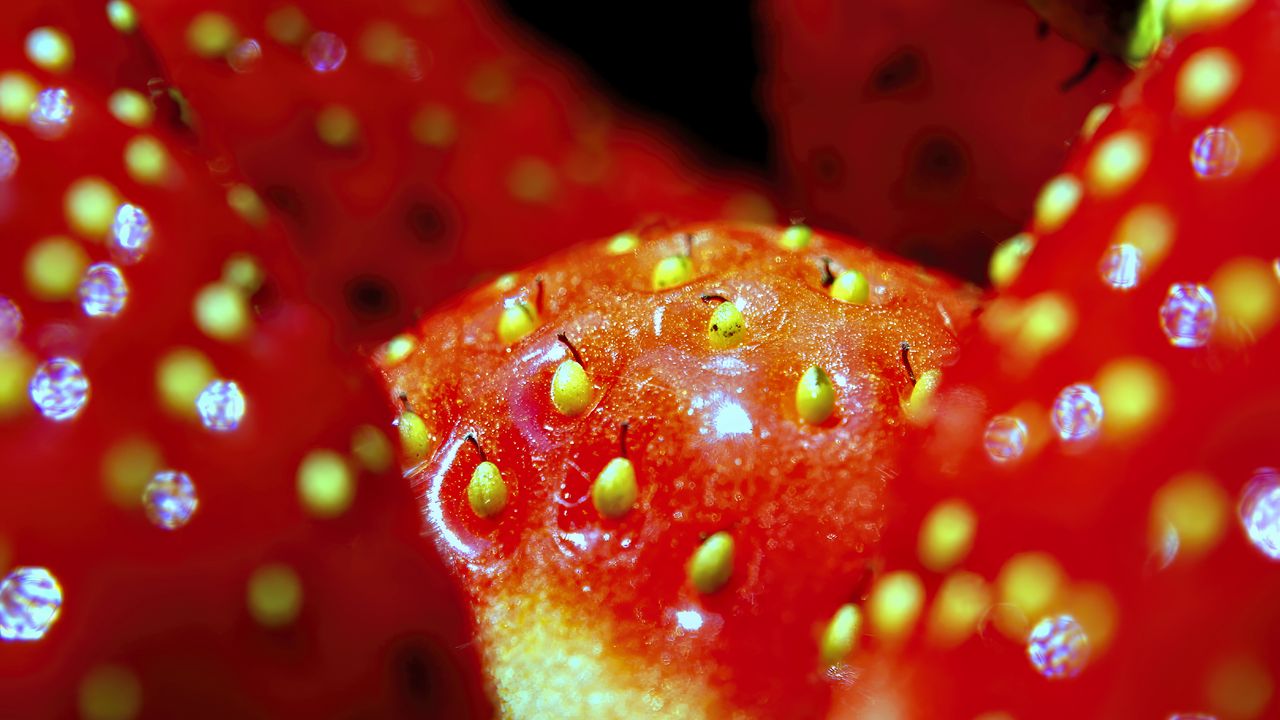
[(412, 148), (199, 517), (924, 127), (659, 461), (1103, 449)]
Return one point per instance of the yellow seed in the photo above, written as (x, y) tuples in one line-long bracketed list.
[(415, 440), (210, 35), (1117, 162), (1135, 392), (1149, 228), (397, 349), (815, 397), (918, 409), (1259, 136), (382, 44), (288, 25), (851, 286), (242, 270), (894, 605), (110, 692), (489, 84), (726, 326), (841, 635), (750, 207), (53, 267), (506, 282), (946, 535), (16, 367), (146, 160), (623, 243), (90, 206), (1056, 203), (959, 605), (337, 126), (131, 108), (247, 204), (222, 312), (49, 48), (1094, 606), (326, 486), (1196, 506), (1246, 291), (1183, 17), (17, 93), (126, 468), (796, 237), (274, 595), (1030, 582), (712, 563), (1048, 320), (1206, 80), (518, 319), (672, 271), (1094, 120), (532, 180), (1009, 259), (372, 449), (487, 491), (1239, 687), (122, 16), (571, 388), (181, 375), (434, 126), (614, 491)]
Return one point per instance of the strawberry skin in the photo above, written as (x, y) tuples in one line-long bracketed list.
[(206, 556), (750, 506), (923, 127)]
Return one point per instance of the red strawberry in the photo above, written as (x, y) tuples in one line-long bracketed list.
[(1138, 503), (658, 461), (434, 147), (926, 126), (199, 515)]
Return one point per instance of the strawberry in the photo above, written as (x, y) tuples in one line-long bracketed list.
[(199, 516), (1090, 527), (658, 461), (425, 141), (924, 127)]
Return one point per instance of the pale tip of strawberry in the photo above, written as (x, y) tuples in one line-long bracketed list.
[(122, 16), (571, 389), (221, 312), (672, 271), (53, 267), (487, 491), (1009, 258), (517, 320), (49, 48), (337, 126), (815, 396), (712, 563), (274, 595), (726, 326), (1056, 203), (622, 243), (415, 440), (851, 287), (796, 237), (326, 485), (1206, 80), (110, 692), (17, 94), (130, 107), (614, 490), (918, 408), (946, 535), (841, 635), (210, 35), (181, 375), (894, 605)]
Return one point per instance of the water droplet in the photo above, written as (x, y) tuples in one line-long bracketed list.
[(59, 389), (30, 599), (1215, 153), (1121, 266), (170, 499), (1077, 413), (10, 321), (325, 52), (221, 406), (8, 157), (245, 56), (1058, 647), (51, 113), (1188, 314), (130, 233), (103, 291), (1005, 438), (1260, 511)]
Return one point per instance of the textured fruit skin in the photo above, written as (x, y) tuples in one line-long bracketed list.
[(922, 127), (381, 632), (1181, 616), (716, 443), (523, 156)]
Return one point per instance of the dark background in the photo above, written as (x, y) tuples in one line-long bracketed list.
[(692, 64)]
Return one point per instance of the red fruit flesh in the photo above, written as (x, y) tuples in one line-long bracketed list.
[(156, 622), (924, 127), (717, 445)]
